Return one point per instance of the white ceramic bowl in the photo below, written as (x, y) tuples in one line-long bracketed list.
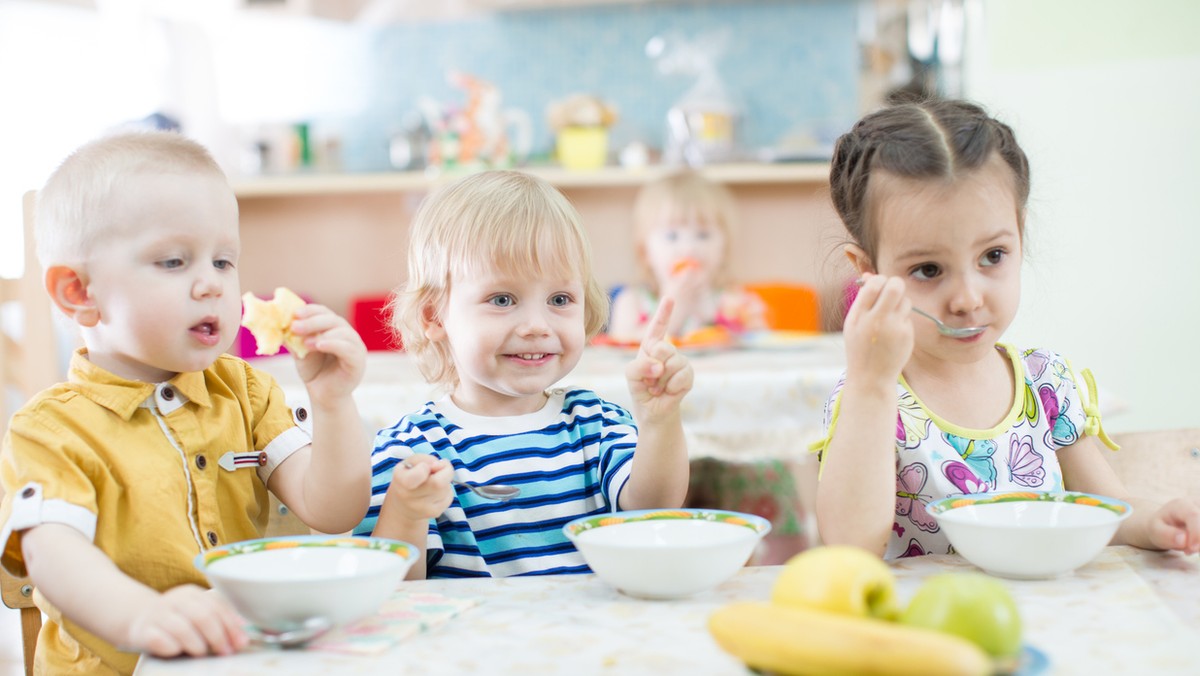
[(277, 583), (1028, 535), (666, 553)]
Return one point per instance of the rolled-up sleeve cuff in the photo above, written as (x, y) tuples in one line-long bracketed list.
[(281, 448), (29, 509)]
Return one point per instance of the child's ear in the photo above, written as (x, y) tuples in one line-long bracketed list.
[(859, 259), (69, 292), (434, 331)]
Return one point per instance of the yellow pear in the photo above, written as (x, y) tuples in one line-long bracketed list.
[(838, 579)]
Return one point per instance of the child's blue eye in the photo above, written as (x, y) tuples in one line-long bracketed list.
[(560, 300), (502, 300), (223, 265), (672, 235), (171, 263)]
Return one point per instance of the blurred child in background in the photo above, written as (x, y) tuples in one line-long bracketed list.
[(684, 229), (684, 226)]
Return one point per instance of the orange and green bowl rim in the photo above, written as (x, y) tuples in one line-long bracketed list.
[(751, 521), (1118, 507), (401, 549)]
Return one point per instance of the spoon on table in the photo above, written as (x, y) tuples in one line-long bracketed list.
[(290, 634), (942, 327), (500, 492)]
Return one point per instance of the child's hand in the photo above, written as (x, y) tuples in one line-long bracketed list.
[(187, 620), (878, 330), (689, 287), (420, 488), (1176, 525), (658, 376), (338, 357)]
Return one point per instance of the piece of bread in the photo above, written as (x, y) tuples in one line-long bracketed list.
[(270, 321)]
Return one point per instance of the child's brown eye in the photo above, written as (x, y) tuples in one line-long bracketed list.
[(927, 271)]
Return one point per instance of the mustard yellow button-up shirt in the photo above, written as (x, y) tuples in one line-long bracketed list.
[(153, 474)]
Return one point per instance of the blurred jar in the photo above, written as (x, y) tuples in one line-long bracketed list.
[(582, 147)]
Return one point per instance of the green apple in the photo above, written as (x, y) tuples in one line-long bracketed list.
[(974, 606), (838, 579)]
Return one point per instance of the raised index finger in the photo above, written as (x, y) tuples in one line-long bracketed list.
[(657, 329)]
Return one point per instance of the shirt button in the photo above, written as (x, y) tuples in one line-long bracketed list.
[(212, 538), (168, 394), (262, 459), (201, 461), (301, 414)]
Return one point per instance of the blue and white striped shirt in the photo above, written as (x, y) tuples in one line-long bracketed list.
[(570, 459)]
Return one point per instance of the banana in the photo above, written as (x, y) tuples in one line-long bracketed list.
[(799, 642)]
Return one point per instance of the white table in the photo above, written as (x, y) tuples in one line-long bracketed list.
[(746, 404), (1128, 612)]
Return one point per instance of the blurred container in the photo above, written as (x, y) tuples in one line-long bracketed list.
[(582, 147)]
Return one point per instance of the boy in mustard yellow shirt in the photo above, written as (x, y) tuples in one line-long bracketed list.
[(159, 446)]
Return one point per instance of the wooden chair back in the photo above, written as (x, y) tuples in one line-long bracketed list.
[(17, 593), (28, 345), (29, 363), (1159, 464)]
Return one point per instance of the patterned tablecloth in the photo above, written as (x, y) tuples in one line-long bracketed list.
[(1127, 612), (747, 404)]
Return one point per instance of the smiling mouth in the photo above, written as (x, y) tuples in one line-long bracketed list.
[(531, 356), (205, 328)]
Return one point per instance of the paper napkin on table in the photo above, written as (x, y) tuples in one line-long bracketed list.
[(403, 615)]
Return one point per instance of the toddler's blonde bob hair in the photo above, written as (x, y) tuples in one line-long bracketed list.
[(73, 208), (494, 220), (684, 196)]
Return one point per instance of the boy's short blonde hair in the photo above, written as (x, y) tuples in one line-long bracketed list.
[(73, 208), (495, 219), (684, 195)]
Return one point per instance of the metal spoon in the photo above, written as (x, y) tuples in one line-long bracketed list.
[(290, 635), (950, 331), (942, 327), (500, 492)]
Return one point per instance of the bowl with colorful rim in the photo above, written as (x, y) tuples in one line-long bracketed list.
[(281, 582), (666, 553), (1029, 534)]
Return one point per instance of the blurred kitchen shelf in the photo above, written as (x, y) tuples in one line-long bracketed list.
[(405, 181)]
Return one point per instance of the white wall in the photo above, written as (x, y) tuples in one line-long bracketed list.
[(1105, 99)]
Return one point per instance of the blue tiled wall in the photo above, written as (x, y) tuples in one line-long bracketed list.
[(790, 63)]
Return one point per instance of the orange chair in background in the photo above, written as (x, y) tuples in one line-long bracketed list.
[(790, 306)]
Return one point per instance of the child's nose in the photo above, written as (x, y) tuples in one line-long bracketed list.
[(207, 285), (968, 294), (533, 322)]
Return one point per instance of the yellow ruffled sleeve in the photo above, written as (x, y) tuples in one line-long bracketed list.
[(1091, 409)]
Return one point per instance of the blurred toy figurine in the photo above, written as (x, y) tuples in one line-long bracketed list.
[(683, 227), (476, 137)]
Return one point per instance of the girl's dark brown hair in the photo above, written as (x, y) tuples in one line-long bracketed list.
[(934, 139)]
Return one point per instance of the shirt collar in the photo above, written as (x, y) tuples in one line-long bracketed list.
[(122, 396)]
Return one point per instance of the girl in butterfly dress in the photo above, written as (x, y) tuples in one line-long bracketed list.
[(933, 196)]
